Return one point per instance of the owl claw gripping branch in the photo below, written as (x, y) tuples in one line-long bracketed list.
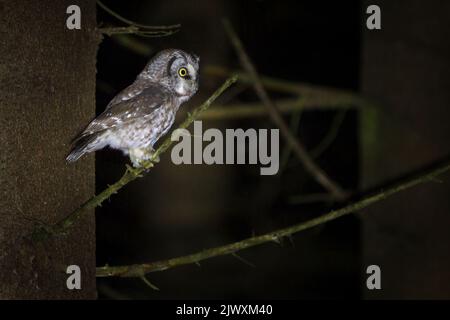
[(142, 113)]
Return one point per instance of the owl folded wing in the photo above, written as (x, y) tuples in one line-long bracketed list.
[(127, 111)]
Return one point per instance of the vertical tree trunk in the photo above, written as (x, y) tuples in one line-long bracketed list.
[(406, 67), (47, 93)]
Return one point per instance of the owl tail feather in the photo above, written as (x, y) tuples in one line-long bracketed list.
[(82, 145)]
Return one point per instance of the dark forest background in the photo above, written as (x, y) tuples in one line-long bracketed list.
[(179, 210), (54, 80)]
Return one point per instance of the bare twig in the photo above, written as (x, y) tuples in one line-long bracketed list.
[(330, 136), (138, 270), (136, 28), (129, 175), (250, 110), (310, 166), (243, 260), (130, 22), (294, 125), (148, 283), (290, 87)]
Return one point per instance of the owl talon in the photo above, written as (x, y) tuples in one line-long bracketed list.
[(139, 156), (135, 161), (148, 155)]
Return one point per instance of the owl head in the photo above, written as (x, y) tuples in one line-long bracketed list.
[(175, 69)]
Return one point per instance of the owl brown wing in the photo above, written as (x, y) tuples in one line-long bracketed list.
[(128, 93), (126, 111)]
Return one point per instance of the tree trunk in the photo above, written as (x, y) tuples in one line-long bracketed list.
[(47, 94), (406, 67)]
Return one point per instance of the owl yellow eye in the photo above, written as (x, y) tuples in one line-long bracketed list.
[(182, 72)]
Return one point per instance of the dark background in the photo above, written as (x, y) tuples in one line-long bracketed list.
[(177, 210)]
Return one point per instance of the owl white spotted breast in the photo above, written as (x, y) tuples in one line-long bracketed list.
[(143, 112)]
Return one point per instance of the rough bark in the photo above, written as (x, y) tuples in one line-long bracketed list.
[(47, 93)]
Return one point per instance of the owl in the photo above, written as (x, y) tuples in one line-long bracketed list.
[(143, 112)]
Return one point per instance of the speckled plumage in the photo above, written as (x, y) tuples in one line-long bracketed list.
[(142, 113)]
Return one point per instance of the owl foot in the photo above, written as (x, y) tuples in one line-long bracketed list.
[(149, 155), (138, 156)]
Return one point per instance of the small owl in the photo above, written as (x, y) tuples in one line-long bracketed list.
[(142, 113)]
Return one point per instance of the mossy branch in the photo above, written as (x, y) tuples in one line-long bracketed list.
[(130, 174), (139, 270)]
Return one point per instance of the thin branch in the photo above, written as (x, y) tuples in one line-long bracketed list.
[(327, 140), (129, 175), (130, 22), (294, 125), (148, 283), (136, 28), (243, 260), (250, 110), (310, 166), (330, 136), (290, 87), (138, 270)]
